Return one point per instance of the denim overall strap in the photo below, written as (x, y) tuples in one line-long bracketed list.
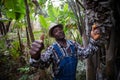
[(67, 64), (58, 51)]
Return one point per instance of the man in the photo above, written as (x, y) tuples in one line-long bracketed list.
[(63, 54)]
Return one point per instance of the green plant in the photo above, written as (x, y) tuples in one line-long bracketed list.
[(25, 69), (14, 50)]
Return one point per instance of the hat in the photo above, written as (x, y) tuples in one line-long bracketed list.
[(52, 26)]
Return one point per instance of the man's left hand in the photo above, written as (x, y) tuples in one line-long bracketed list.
[(95, 32)]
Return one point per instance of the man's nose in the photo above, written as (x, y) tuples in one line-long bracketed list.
[(59, 31)]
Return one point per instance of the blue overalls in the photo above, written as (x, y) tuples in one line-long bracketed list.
[(67, 65)]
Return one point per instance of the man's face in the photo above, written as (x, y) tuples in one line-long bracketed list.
[(58, 33)]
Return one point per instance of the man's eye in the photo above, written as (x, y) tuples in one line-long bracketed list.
[(55, 31)]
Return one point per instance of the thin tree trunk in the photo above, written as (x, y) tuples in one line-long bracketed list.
[(28, 38), (1, 29), (2, 26), (20, 42), (75, 8), (28, 21), (8, 26)]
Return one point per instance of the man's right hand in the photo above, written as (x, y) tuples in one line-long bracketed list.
[(37, 47)]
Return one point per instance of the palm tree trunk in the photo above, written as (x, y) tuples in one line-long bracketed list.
[(99, 12)]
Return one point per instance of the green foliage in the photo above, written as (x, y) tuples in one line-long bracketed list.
[(24, 77), (15, 9), (51, 13), (14, 50), (74, 35), (65, 8), (25, 69), (43, 22), (19, 25), (42, 2), (2, 45), (60, 15), (7, 63)]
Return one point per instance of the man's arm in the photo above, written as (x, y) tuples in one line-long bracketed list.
[(37, 58), (93, 44), (44, 60), (37, 47), (88, 51)]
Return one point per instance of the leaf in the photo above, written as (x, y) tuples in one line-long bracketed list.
[(15, 9), (41, 2), (51, 13), (43, 22), (10, 14), (56, 12), (65, 8)]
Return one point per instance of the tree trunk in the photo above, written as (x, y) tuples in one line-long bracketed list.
[(28, 39), (90, 70), (98, 12), (20, 42), (106, 15), (110, 58), (116, 14), (4, 28), (28, 21)]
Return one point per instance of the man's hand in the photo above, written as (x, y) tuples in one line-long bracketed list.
[(36, 48), (95, 33)]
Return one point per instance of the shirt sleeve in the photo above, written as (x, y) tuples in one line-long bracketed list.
[(91, 49), (45, 59)]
